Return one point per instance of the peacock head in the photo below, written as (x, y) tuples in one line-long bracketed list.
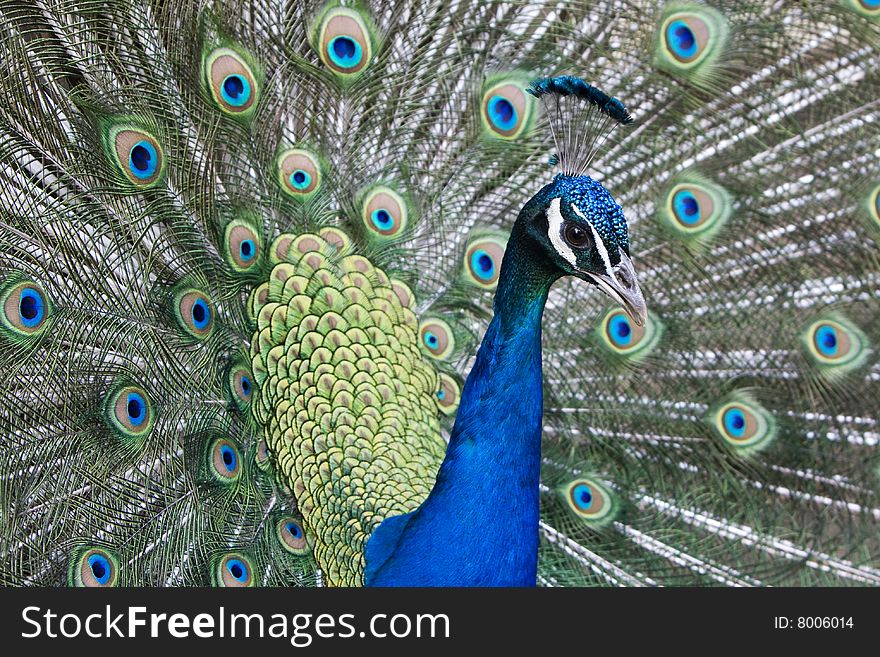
[(574, 220), (579, 226)]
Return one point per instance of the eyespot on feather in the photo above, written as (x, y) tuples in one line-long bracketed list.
[(448, 394), (695, 209), (436, 338), (299, 173), (872, 206), (194, 312), (241, 385), (224, 460), (136, 153), (835, 345), (506, 110), (690, 42), (344, 41), (262, 455), (744, 425), (292, 535), (867, 8), (589, 501), (482, 260), (619, 335), (93, 567), (234, 570), (231, 82), (242, 246), (128, 411), (25, 309), (384, 212)]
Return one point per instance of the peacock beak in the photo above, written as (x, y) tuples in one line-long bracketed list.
[(621, 284)]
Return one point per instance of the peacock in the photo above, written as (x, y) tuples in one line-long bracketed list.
[(439, 293)]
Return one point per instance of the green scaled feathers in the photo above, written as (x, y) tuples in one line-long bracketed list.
[(343, 388)]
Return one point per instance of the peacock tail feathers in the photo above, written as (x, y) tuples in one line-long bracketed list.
[(247, 253)]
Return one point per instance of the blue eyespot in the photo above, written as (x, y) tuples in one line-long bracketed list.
[(502, 113), (294, 530), (247, 249), (431, 340), (686, 207), (382, 219), (136, 407), (246, 386), (238, 569), (619, 330), (734, 422), (300, 179), (31, 307), (826, 341), (681, 39), (143, 160), (482, 265), (227, 454), (100, 568), (236, 90), (201, 314), (582, 497), (345, 52), (441, 394), (871, 4)]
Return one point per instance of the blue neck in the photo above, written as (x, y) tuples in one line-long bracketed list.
[(479, 525)]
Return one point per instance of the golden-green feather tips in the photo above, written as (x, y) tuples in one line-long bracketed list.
[(589, 501), (234, 569), (128, 411), (742, 424), (231, 82), (385, 213), (135, 152), (622, 337), (24, 309), (344, 40), (93, 567), (506, 110), (694, 209), (835, 346), (690, 41)]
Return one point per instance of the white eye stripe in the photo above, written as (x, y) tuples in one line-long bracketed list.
[(600, 245), (554, 232)]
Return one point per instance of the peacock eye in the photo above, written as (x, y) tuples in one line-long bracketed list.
[(575, 236), (299, 172), (234, 570), (137, 154), (242, 246), (292, 536), (194, 313), (24, 309), (223, 460), (230, 81), (345, 44), (95, 567)]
